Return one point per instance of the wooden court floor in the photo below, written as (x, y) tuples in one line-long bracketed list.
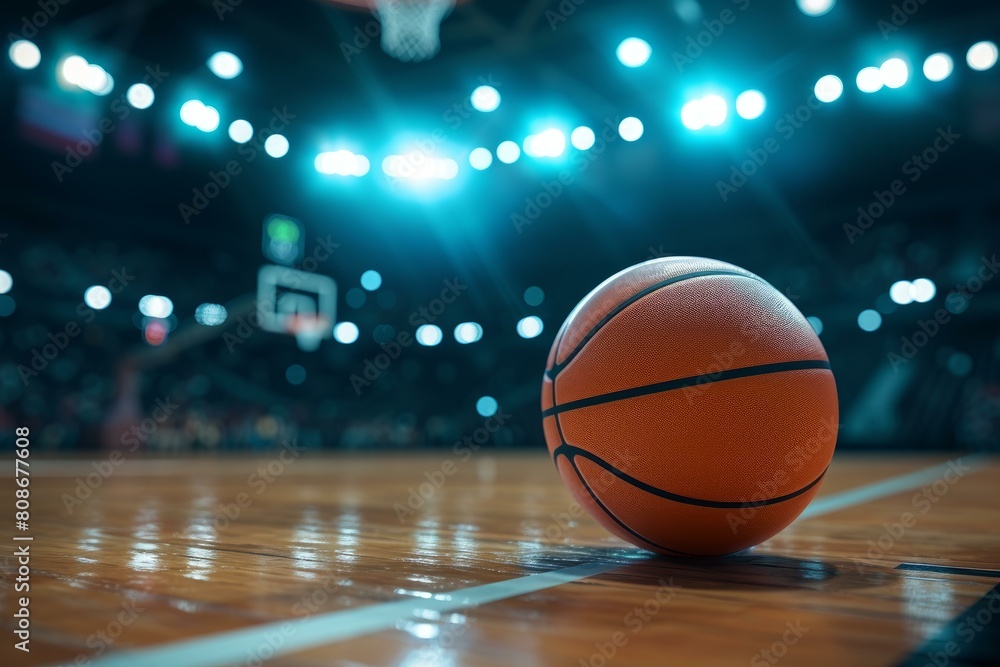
[(307, 560)]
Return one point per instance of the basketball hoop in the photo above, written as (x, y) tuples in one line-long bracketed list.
[(411, 29), (309, 330)]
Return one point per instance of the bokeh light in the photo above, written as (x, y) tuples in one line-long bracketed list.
[(97, 297), (487, 406), (24, 54), (633, 52), (530, 327), (346, 332), (485, 99), (429, 334), (750, 104), (225, 65)]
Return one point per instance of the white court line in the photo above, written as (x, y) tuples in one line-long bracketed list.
[(232, 648), (890, 487)]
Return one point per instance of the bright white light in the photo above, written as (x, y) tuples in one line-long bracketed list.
[(487, 406), (371, 280), (485, 99), (691, 115), (445, 169), (480, 158), (894, 72), (869, 320), (342, 163), (345, 332), (633, 52), (25, 54), (468, 332), (816, 324), (508, 152), (714, 109), (240, 131), (750, 104), (97, 297), (901, 292), (982, 56), (276, 145), (530, 327), (140, 96), (630, 128), (208, 119), (869, 80), (225, 65), (429, 335), (93, 79), (362, 165), (152, 305), (109, 85), (210, 314), (582, 138), (417, 165), (74, 69), (191, 112), (923, 290), (938, 66), (829, 88), (549, 143), (815, 7), (6, 281)]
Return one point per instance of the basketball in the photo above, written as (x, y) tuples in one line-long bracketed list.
[(689, 407)]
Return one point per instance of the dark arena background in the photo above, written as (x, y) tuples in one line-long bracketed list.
[(279, 283)]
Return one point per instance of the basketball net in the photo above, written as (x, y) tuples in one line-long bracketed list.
[(411, 29), (308, 330)]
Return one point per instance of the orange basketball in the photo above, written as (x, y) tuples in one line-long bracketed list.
[(689, 407)]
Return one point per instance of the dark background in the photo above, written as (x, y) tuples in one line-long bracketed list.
[(632, 201)]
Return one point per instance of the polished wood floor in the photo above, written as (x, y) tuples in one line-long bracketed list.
[(162, 551)]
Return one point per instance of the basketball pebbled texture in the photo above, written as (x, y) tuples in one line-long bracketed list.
[(689, 407)]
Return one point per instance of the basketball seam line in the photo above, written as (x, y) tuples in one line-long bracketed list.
[(681, 383), (559, 367), (618, 521), (687, 500)]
